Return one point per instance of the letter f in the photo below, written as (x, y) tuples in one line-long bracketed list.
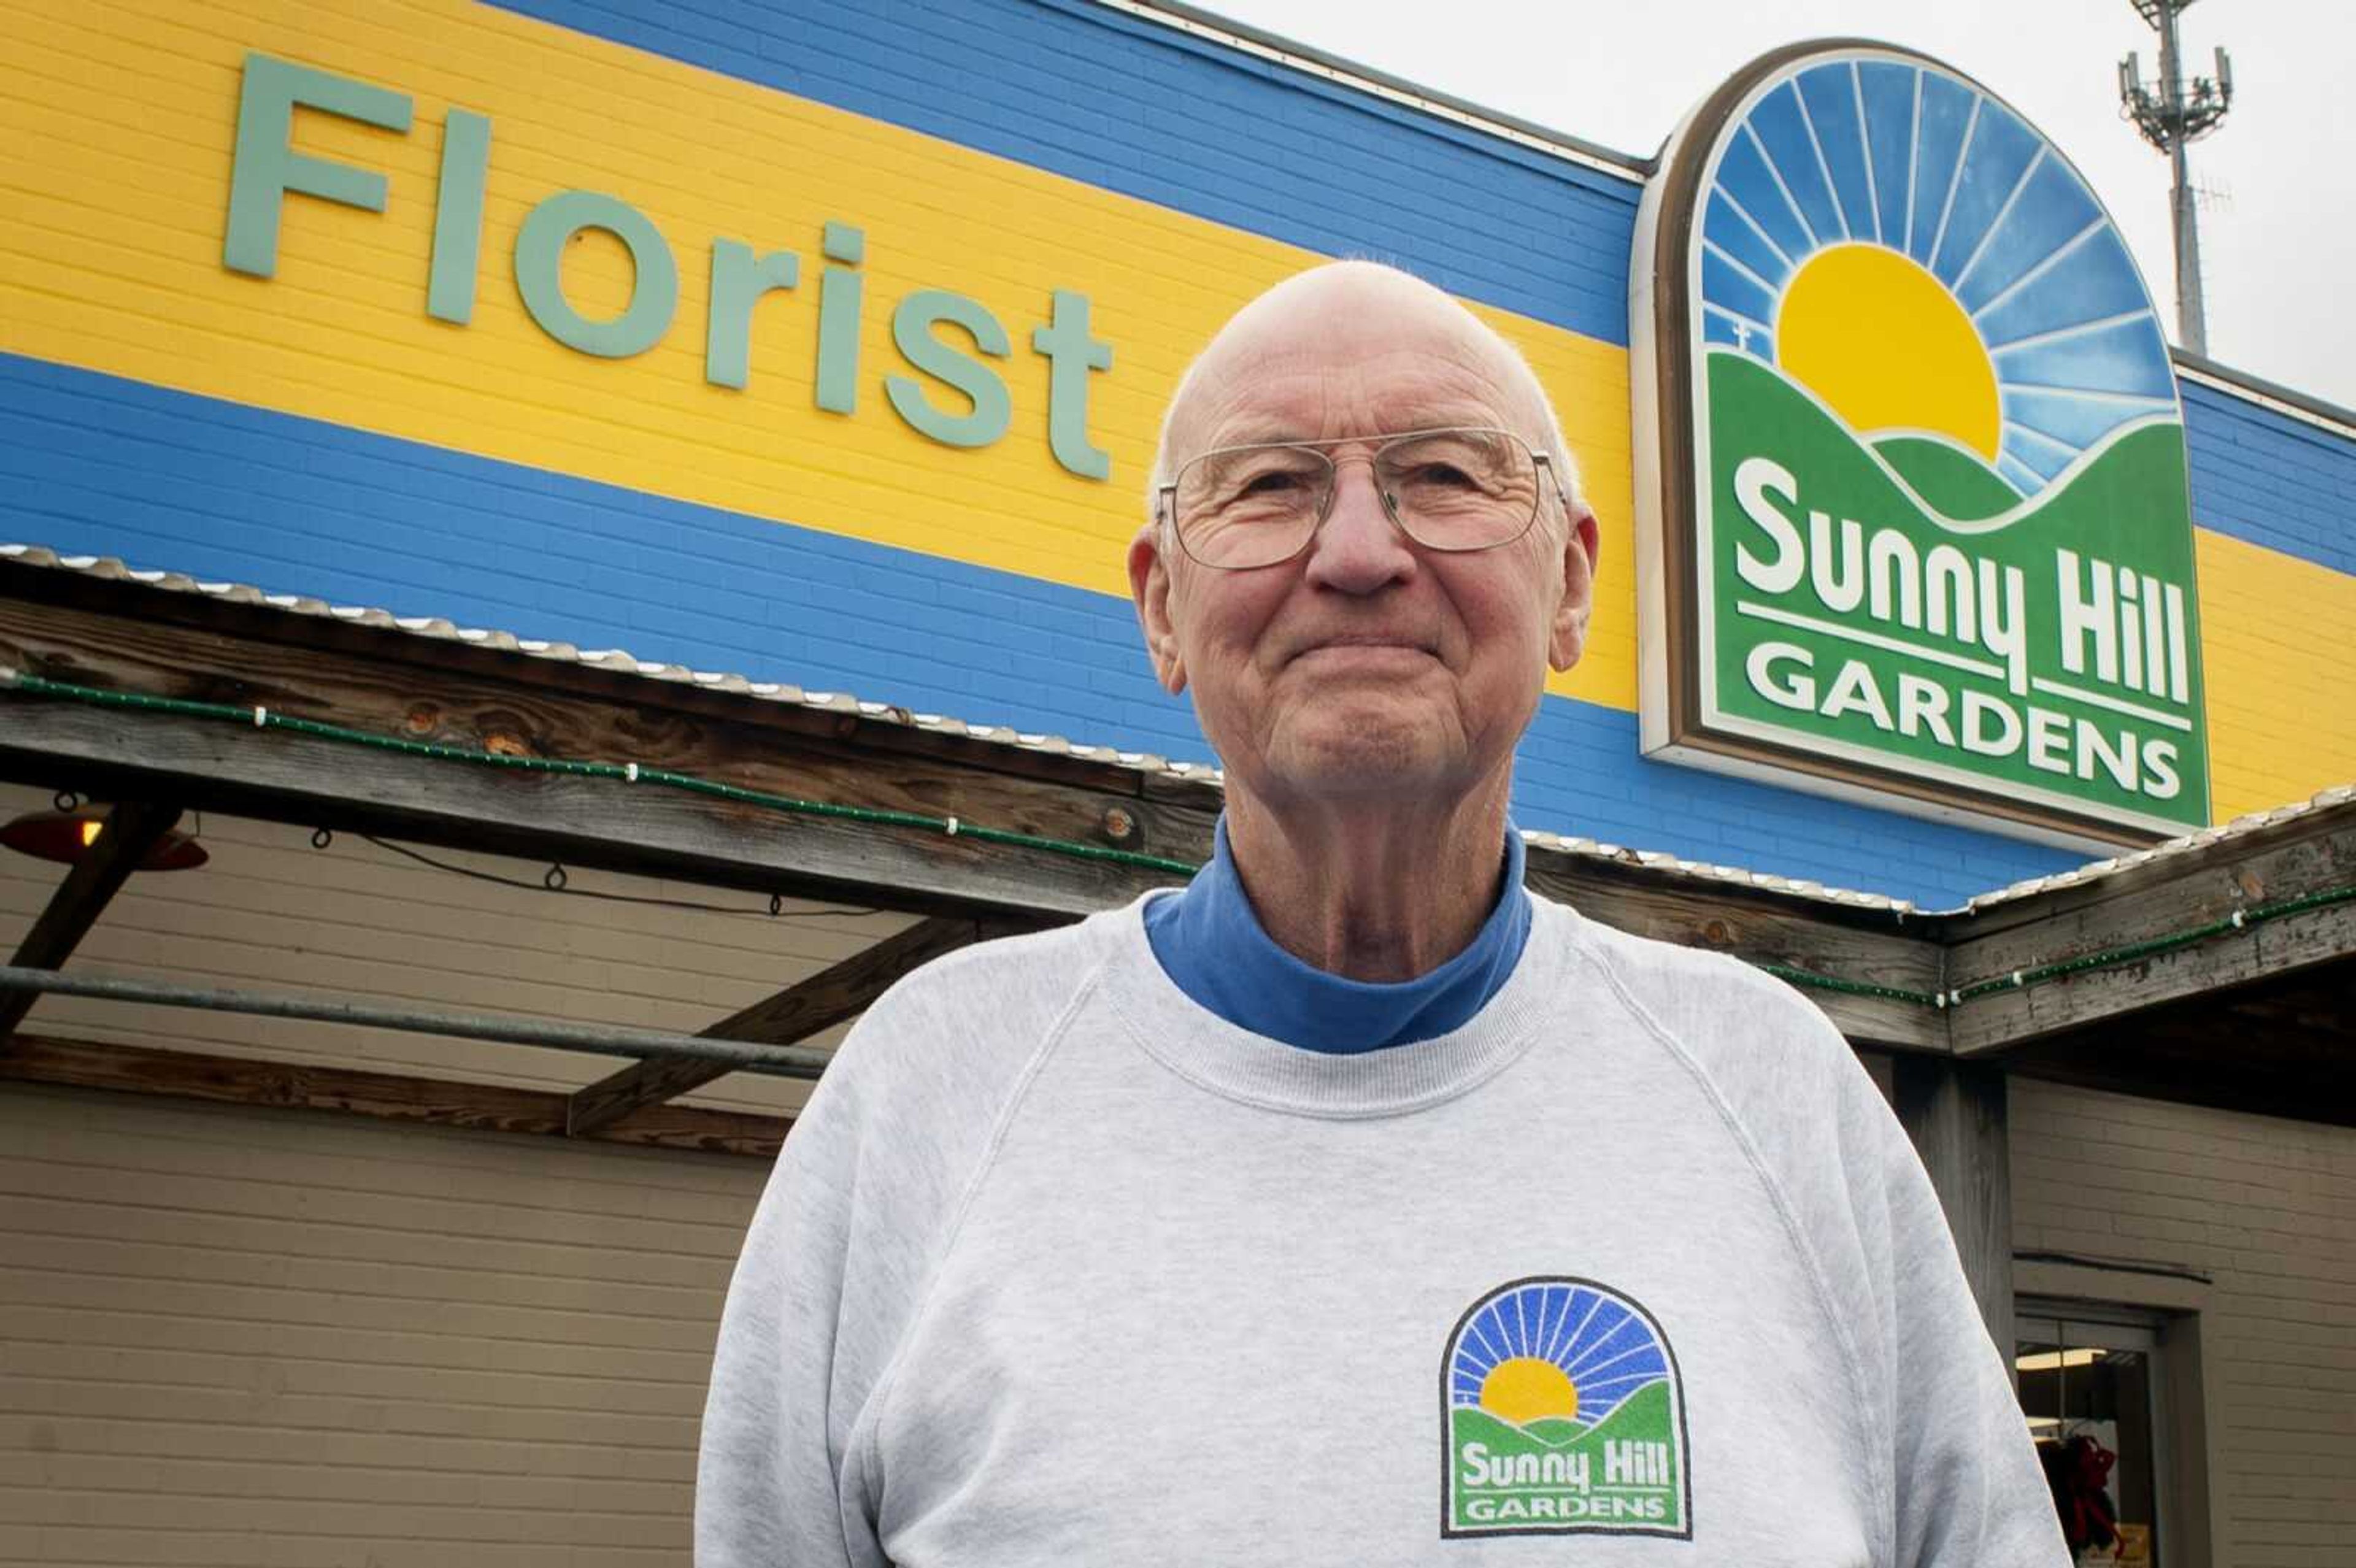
[(267, 165)]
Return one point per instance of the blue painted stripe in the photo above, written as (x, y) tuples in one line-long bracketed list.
[(1132, 106), (2271, 479), (94, 464)]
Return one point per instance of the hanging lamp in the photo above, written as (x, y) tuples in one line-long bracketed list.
[(67, 836)]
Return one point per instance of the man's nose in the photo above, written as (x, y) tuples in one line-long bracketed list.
[(1358, 549)]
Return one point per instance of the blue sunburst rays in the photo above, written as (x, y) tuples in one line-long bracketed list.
[(1866, 151), (1606, 1349), (1887, 111)]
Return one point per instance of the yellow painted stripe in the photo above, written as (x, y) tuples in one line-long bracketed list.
[(120, 121), (2279, 652)]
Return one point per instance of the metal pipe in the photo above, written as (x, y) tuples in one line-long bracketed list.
[(603, 1039), (2191, 313)]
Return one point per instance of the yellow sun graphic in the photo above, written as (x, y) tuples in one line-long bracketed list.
[(1884, 344), (1523, 1389)]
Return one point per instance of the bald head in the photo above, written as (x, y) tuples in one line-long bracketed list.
[(1368, 665), (1390, 327)]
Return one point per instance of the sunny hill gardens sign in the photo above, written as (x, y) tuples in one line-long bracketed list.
[(1911, 476)]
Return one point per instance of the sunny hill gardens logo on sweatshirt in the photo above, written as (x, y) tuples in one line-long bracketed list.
[(1563, 1415)]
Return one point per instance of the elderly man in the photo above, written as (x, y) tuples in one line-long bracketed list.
[(1352, 1206)]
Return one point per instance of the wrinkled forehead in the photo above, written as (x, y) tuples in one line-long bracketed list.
[(1354, 356)]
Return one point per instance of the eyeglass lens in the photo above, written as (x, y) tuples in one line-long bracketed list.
[(1449, 489)]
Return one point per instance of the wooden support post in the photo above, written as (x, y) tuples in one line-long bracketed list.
[(132, 828), (842, 991), (1955, 1113)]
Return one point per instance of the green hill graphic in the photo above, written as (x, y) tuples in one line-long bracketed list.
[(1554, 1430), (1956, 483), (2127, 506), (2106, 509)]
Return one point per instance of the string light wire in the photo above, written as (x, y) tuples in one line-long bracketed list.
[(776, 911)]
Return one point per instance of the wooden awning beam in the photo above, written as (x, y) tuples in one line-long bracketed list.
[(392, 1096), (132, 828), (126, 637), (1762, 926), (840, 991), (2297, 858)]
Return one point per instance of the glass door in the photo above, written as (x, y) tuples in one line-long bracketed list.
[(2090, 1386)]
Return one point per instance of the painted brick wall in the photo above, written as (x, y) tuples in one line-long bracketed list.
[(1139, 107), (2268, 1210), (229, 493), (2271, 479), (1289, 155), (2271, 488)]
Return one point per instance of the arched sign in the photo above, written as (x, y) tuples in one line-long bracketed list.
[(1913, 514)]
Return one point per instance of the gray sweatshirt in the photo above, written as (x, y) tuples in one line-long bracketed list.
[(1634, 1268)]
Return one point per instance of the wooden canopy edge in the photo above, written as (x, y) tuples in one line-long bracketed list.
[(205, 763), (437, 1101), (1764, 925), (2258, 877), (135, 638), (2233, 845), (248, 617)]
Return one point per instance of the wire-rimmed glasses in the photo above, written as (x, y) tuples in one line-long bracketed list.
[(1462, 488)]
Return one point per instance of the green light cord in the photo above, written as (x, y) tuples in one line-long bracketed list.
[(1814, 981), (262, 718), (2109, 958), (630, 773), (2239, 920)]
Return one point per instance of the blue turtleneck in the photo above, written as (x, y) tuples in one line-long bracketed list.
[(1213, 947)]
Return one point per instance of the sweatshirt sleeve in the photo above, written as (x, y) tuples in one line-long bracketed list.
[(1944, 1425), (858, 1212), (1969, 1490), (1945, 1463), (770, 1490)]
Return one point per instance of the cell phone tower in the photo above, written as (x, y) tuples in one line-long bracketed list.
[(2178, 114)]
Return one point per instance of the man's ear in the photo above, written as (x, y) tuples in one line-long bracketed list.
[(1149, 586), (1567, 633)]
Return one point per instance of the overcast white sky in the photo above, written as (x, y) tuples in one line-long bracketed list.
[(2277, 238)]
